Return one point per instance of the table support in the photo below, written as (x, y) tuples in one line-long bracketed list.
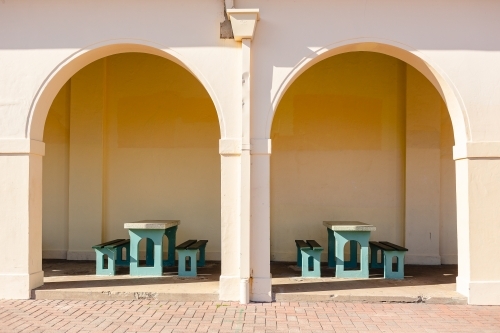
[(331, 248), (353, 261), (154, 245), (341, 238), (170, 233)]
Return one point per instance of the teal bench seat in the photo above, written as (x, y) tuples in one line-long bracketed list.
[(389, 251), (309, 257), (188, 251), (114, 251)]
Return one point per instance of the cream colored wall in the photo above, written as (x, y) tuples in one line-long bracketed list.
[(42, 44), (56, 177), (338, 139), (162, 149), (339, 153), (430, 201), (159, 151), (448, 194)]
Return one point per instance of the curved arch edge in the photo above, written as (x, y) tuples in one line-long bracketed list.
[(51, 85), (411, 56)]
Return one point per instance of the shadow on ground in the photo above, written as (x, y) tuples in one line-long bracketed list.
[(77, 280)]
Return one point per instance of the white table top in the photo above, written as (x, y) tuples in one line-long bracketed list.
[(348, 226), (152, 224)]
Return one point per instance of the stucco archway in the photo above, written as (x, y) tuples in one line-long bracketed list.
[(411, 56), (67, 68), (414, 58), (87, 58)]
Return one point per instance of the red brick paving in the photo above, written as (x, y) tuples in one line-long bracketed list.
[(49, 316)]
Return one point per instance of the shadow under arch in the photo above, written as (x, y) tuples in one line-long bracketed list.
[(45, 95), (413, 57)]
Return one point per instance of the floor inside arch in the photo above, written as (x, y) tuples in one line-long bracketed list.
[(66, 279)]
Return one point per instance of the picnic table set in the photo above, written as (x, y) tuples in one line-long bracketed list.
[(125, 252), (353, 232)]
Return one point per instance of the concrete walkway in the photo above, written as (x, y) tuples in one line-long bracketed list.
[(47, 316), (77, 280)]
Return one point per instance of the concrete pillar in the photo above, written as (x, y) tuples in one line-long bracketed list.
[(478, 221), (422, 208), (229, 284), (86, 161), (20, 217), (260, 234), (243, 22), (245, 182)]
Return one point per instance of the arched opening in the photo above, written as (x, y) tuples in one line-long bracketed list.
[(130, 137), (364, 136)]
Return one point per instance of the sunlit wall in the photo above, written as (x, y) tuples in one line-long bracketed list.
[(339, 152), (130, 137)]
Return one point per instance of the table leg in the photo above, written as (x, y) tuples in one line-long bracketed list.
[(341, 238), (170, 233), (156, 237), (353, 257), (150, 247), (331, 248)]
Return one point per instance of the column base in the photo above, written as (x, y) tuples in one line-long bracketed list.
[(484, 292), (229, 288), (18, 286), (261, 290), (462, 286)]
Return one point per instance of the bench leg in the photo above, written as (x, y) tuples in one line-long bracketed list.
[(299, 257), (388, 272), (99, 269), (183, 254), (331, 248), (341, 238), (374, 262), (170, 233), (201, 261), (316, 257), (120, 261)]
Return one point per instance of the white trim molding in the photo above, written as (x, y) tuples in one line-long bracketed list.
[(485, 149), (230, 146), (22, 146), (484, 292)]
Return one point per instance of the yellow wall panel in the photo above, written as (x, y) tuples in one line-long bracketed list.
[(160, 151)]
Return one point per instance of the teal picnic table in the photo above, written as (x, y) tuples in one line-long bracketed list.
[(339, 234), (153, 231)]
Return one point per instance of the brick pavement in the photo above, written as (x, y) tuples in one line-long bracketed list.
[(153, 316)]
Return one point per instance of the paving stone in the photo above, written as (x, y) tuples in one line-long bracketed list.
[(44, 316)]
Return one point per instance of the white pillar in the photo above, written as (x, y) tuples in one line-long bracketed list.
[(478, 221), (245, 186), (229, 284), (20, 217), (243, 22), (260, 221), (86, 161)]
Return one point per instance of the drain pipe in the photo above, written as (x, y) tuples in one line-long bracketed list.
[(243, 22)]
